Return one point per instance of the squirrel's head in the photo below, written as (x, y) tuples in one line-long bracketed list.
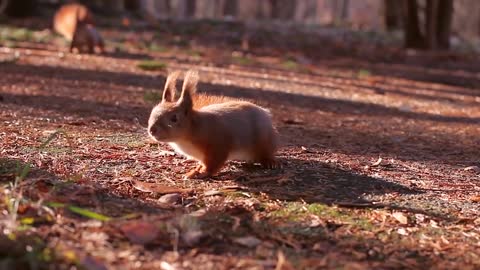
[(170, 120)]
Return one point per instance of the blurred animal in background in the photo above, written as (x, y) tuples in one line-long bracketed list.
[(75, 22)]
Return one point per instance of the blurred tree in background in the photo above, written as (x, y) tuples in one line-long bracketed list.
[(426, 24), (436, 27)]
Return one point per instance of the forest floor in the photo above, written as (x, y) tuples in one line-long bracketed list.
[(380, 148)]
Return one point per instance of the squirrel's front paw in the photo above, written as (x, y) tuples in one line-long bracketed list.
[(198, 173)]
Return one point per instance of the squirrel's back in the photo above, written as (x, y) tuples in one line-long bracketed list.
[(201, 100), (248, 125), (68, 16)]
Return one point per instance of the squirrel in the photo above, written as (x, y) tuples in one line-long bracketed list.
[(75, 22), (212, 129)]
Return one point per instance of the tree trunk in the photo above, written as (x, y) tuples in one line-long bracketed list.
[(113, 7), (274, 9), (132, 5), (444, 24), (190, 8), (344, 10), (431, 19), (283, 9), (20, 8), (413, 36), (230, 8), (393, 11)]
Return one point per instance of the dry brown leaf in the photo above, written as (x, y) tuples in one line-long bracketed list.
[(166, 266), (293, 122), (400, 217), (248, 241), (475, 169), (172, 198), (378, 162), (402, 231), (192, 237), (140, 232), (282, 262), (475, 199), (158, 188), (212, 193), (231, 188)]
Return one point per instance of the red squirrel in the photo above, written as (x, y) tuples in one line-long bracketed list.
[(75, 22), (212, 129)]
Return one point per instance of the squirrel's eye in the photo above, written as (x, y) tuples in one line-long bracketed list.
[(173, 119)]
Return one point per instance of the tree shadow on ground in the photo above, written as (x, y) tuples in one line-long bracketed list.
[(326, 81), (304, 178), (337, 106), (70, 100), (455, 76)]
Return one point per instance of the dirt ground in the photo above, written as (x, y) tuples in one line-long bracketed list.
[(380, 154)]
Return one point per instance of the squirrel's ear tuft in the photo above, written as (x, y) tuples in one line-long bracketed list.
[(170, 88), (189, 88)]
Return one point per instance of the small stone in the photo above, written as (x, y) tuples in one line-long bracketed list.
[(248, 241), (172, 198)]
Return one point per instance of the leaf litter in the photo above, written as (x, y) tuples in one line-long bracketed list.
[(325, 208)]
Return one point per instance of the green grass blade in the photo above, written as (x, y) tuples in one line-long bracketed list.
[(55, 204), (88, 213), (152, 65)]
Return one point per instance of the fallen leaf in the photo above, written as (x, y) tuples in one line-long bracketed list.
[(475, 169), (198, 213), (282, 262), (125, 21), (400, 217), (402, 231), (405, 108), (236, 223), (420, 218), (378, 162), (293, 122), (475, 199), (306, 150), (477, 222), (172, 198), (192, 237), (140, 232), (212, 193), (248, 241), (158, 188), (315, 221), (232, 188), (166, 266), (321, 246)]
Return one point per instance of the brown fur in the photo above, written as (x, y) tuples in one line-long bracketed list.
[(213, 129), (201, 100), (76, 23)]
